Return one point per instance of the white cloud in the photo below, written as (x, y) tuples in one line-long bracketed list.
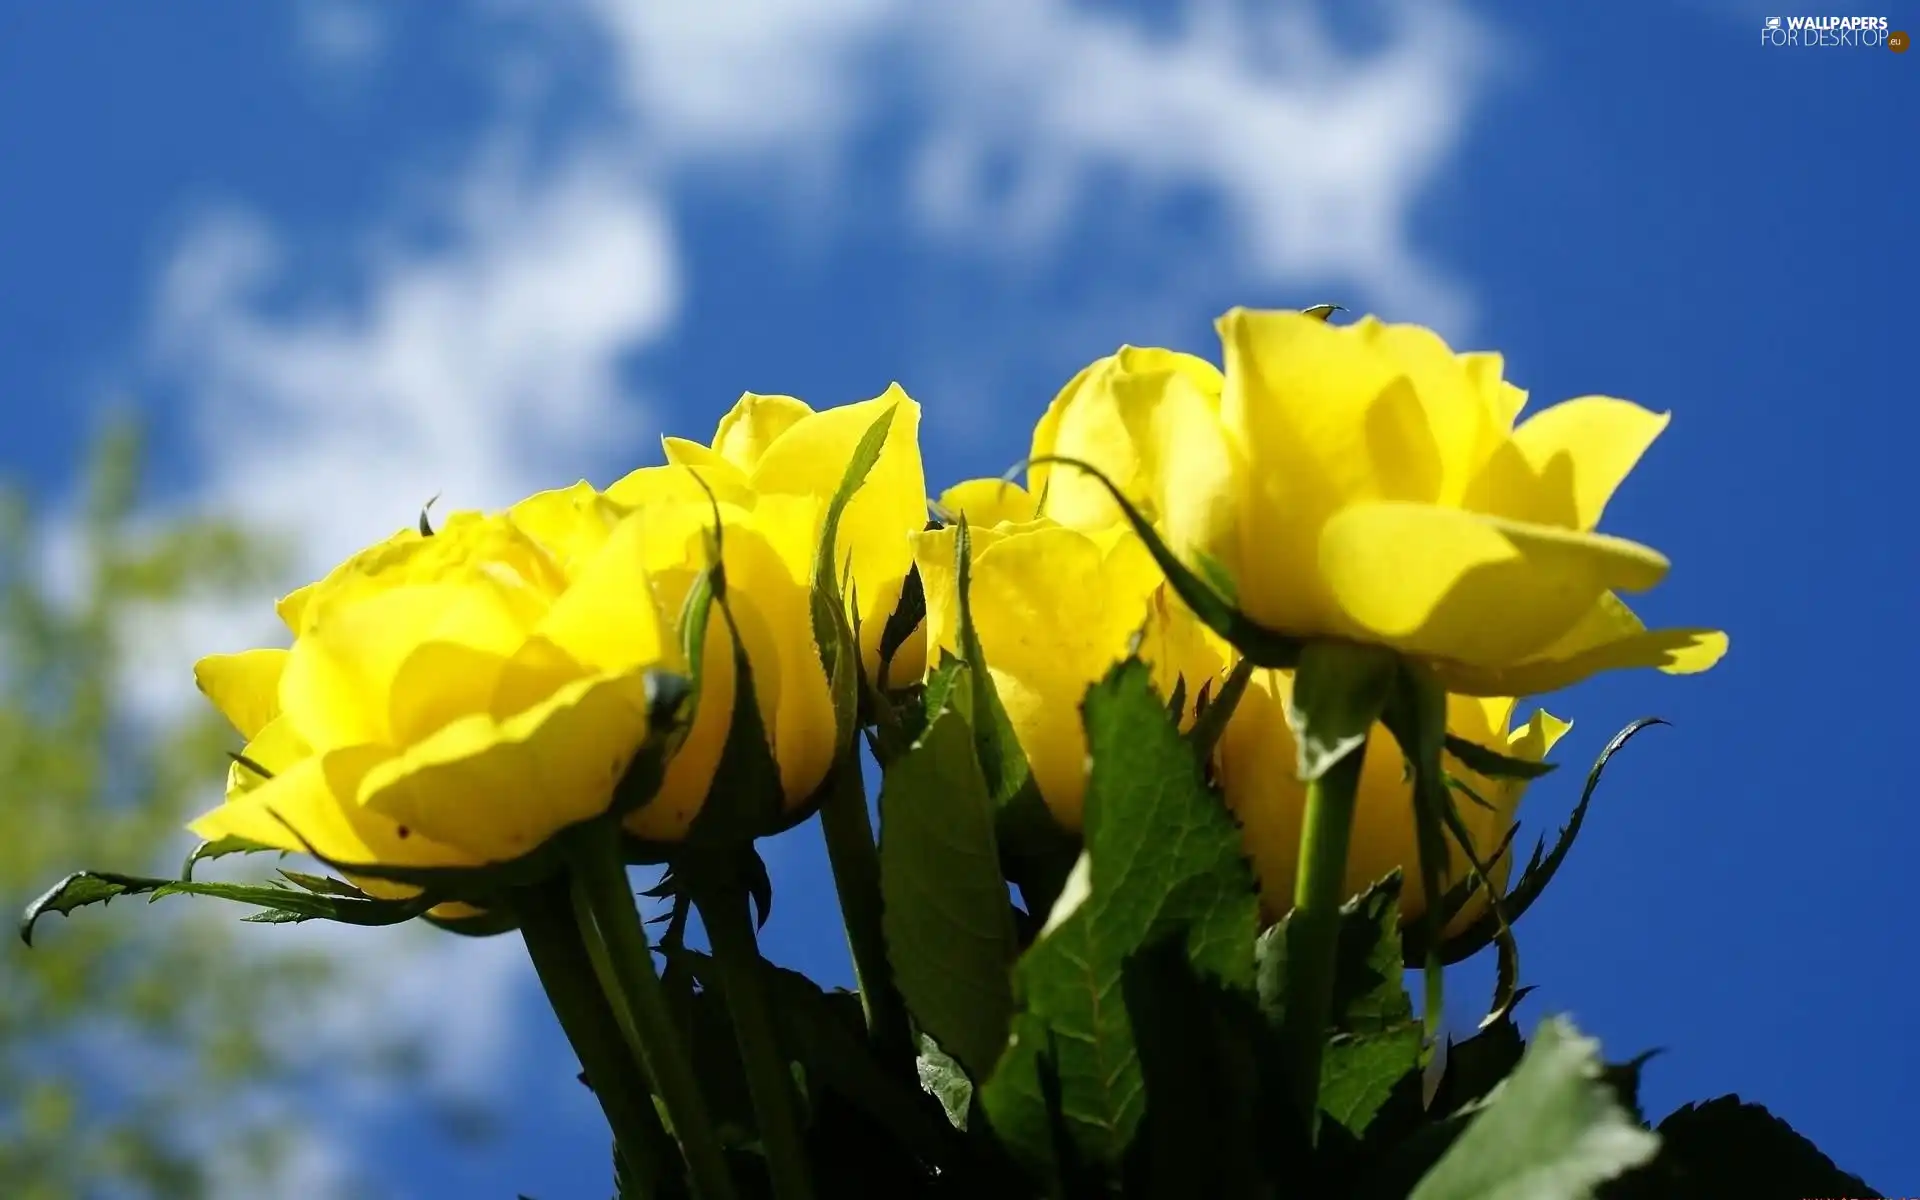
[(1022, 109), (479, 371), (340, 35)]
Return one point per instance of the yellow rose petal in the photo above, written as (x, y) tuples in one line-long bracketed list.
[(608, 619), (497, 789), (681, 484), (989, 502), (754, 424), (1449, 584), (1054, 612), (570, 523), (300, 809), (890, 507), (1565, 463), (245, 687)]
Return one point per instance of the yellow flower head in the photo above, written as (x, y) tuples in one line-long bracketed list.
[(1255, 767), (1055, 608), (1365, 482), (449, 700), (778, 446)]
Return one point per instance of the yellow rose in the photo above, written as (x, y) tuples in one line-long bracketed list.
[(1255, 767), (1365, 482), (1126, 414), (1055, 608), (778, 446), (767, 545), (449, 700)]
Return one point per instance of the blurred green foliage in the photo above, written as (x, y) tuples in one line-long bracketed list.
[(130, 1040)]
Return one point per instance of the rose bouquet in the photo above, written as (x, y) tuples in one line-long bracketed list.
[(1189, 749)]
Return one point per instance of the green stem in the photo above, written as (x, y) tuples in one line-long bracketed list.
[(609, 899), (1314, 928), (723, 910), (561, 959), (856, 880)]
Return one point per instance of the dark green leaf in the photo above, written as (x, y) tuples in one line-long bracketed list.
[(276, 916), (1359, 1073), (1540, 871), (1493, 764), (907, 616), (1177, 702), (1001, 759), (1212, 713), (1165, 864), (220, 848), (1020, 1101), (950, 937), (839, 653), (745, 799), (247, 764), (1377, 1040), (824, 1033), (1552, 1131), (1205, 1131), (1416, 715), (1474, 1066), (1727, 1148), (98, 887), (323, 885), (1339, 689), (1167, 858)]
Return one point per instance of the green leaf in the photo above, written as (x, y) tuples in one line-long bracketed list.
[(950, 937), (1165, 863), (1167, 858), (824, 1033), (1323, 311), (1416, 716), (220, 848), (1359, 1073), (907, 616), (1339, 689), (1551, 1131), (1474, 1067), (1001, 759), (1377, 1041), (943, 1078), (1020, 1101), (745, 798), (1212, 598), (1492, 764), (1206, 1131), (1726, 1147), (324, 885), (670, 705), (1211, 720), (1539, 871), (83, 888), (839, 653)]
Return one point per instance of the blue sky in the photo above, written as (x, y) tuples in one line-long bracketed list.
[(347, 256)]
